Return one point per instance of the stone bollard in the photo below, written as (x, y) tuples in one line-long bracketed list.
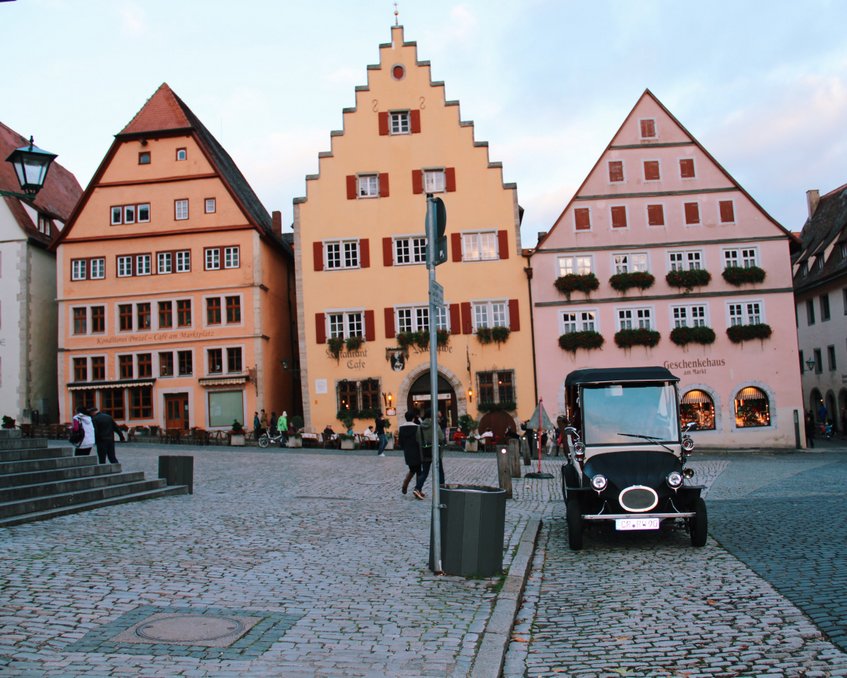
[(504, 470), (525, 452), (177, 470), (515, 458)]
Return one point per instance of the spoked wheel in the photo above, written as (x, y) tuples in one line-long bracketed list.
[(698, 525), (574, 516), (264, 441)]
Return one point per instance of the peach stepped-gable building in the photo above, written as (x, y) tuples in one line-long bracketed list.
[(661, 258), (360, 261), (173, 283), (28, 388)]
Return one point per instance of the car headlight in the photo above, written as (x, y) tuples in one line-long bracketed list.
[(674, 479), (579, 450), (599, 482)]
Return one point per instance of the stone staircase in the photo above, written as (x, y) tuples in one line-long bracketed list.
[(38, 482)]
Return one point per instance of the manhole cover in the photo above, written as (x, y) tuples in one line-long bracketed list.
[(188, 629)]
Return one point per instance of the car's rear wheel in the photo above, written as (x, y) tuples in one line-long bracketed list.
[(699, 524), (263, 441), (574, 516)]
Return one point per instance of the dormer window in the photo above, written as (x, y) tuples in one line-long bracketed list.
[(819, 263)]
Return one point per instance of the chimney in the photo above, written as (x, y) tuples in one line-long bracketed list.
[(277, 220), (541, 236), (813, 197)]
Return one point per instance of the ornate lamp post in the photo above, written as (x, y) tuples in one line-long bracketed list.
[(31, 164)]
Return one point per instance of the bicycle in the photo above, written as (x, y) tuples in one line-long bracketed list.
[(267, 438)]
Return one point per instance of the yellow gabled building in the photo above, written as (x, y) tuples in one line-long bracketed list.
[(360, 262)]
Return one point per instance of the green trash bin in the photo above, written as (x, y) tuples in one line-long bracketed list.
[(472, 525)]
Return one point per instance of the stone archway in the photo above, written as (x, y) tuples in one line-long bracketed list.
[(460, 400)]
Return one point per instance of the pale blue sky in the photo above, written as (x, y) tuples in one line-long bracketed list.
[(761, 84)]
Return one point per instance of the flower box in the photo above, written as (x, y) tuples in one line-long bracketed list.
[(237, 439), (572, 282), (637, 337), (740, 275), (497, 334), (689, 279), (741, 333), (692, 335), (573, 341), (624, 281)]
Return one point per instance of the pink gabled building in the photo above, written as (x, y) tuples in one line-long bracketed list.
[(662, 258)]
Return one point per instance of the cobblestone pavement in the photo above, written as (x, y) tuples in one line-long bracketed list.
[(764, 597)]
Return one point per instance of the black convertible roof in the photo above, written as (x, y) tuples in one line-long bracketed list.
[(617, 375)]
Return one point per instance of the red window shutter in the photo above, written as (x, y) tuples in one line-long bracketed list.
[(417, 181), (318, 250), (456, 244), (455, 319), (383, 185), (351, 186), (503, 244), (467, 321), (655, 215), (387, 252), (383, 123), (370, 330), (648, 128), (686, 168), (450, 179), (615, 170), (364, 253), (320, 328), (619, 216), (415, 118), (692, 213), (389, 323), (582, 218), (651, 170), (514, 315), (727, 211)]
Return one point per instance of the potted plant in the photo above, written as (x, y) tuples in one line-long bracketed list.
[(8, 422), (637, 337), (468, 425), (692, 335), (574, 282), (499, 334), (236, 434), (353, 343), (741, 333), (347, 441), (588, 339), (334, 345), (741, 275), (695, 277), (624, 281)]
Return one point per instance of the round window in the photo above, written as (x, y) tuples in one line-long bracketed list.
[(398, 71)]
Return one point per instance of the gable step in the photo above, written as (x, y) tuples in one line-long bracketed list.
[(67, 485)]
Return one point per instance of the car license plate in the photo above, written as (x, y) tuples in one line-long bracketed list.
[(637, 524)]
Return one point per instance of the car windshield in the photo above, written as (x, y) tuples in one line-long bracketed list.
[(646, 411)]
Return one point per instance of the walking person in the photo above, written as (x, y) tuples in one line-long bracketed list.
[(83, 421), (810, 429), (282, 427), (263, 420), (272, 424), (379, 427), (104, 435), (257, 426), (407, 438), (425, 443)]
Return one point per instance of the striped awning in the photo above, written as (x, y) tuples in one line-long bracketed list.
[(696, 397), (751, 393), (96, 385), (223, 381)]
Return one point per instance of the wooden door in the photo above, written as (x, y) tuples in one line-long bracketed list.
[(176, 410)]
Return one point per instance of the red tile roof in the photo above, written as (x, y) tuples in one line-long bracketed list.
[(163, 111)]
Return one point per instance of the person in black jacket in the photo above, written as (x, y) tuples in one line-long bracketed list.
[(104, 435), (407, 438)]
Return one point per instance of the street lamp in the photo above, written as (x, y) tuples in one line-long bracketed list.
[(810, 364), (31, 164)]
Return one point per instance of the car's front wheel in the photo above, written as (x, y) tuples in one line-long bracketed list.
[(699, 524), (574, 516)]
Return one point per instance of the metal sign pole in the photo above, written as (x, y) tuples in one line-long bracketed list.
[(434, 293)]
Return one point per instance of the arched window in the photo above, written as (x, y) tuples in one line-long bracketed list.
[(752, 408), (698, 406)]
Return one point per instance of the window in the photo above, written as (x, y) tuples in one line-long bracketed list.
[(752, 408), (582, 218), (233, 309), (232, 257), (124, 266), (129, 214), (233, 360), (142, 314), (144, 213), (745, 313), (578, 321), (166, 364), (489, 314), (410, 250), (183, 261), (164, 263), (435, 181), (689, 316), (212, 258), (184, 362), (630, 262), (98, 319), (416, 319), (810, 311), (686, 168), (141, 402), (697, 406), (341, 254), (655, 215), (480, 246), (143, 264), (79, 269), (210, 206), (358, 396), (615, 171), (125, 367), (688, 260), (98, 368), (183, 313), (345, 324), (144, 158), (692, 213), (819, 262), (98, 268), (726, 209), (576, 265), (635, 318), (166, 316), (112, 402), (367, 185), (80, 315), (144, 365), (496, 388), (125, 317), (117, 215), (648, 128), (215, 360), (80, 369), (618, 216), (181, 209), (651, 170), (400, 122), (830, 358), (818, 361), (181, 154), (213, 311), (824, 304), (741, 258)]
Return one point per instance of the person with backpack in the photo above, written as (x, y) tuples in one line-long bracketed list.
[(82, 432)]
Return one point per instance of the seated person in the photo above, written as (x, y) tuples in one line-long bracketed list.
[(487, 434), (328, 433), (368, 434)]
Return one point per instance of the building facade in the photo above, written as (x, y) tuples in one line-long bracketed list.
[(360, 262), (820, 292), (28, 312), (662, 258), (175, 303)]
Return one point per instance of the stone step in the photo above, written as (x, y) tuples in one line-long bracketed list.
[(67, 485), (166, 491), (40, 504), (65, 473), (22, 454), (19, 443), (32, 465)]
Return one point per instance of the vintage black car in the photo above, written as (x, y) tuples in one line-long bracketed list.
[(627, 454)]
